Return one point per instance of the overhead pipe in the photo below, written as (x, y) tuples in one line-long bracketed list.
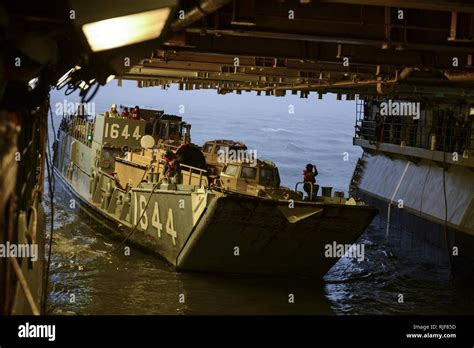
[(347, 84), (205, 8), (327, 39), (405, 73), (341, 84), (459, 76)]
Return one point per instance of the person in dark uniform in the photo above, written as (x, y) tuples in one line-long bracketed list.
[(125, 113), (172, 169), (310, 174), (135, 114), (378, 136)]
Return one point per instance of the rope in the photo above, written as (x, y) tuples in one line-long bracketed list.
[(424, 183), (393, 197), (51, 189), (24, 286), (141, 216), (446, 201)]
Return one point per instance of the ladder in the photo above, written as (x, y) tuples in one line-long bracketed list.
[(360, 110), (357, 175)]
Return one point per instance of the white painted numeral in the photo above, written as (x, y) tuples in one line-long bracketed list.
[(144, 219), (125, 133), (136, 133), (114, 131), (155, 220), (170, 226)]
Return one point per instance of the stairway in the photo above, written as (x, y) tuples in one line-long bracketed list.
[(356, 176)]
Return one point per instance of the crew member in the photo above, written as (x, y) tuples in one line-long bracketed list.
[(113, 111), (379, 128), (310, 174), (81, 112), (125, 113), (172, 169), (135, 113)]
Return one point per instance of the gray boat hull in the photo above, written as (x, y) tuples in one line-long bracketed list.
[(200, 229)]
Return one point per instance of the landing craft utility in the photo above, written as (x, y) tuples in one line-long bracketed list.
[(145, 180)]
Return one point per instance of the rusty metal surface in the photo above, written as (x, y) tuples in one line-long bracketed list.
[(280, 46), (297, 44)]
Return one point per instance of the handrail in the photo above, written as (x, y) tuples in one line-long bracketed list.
[(200, 171), (420, 135), (170, 146), (305, 182), (193, 168), (81, 134)]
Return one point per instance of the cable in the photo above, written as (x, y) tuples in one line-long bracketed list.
[(424, 183), (24, 286), (58, 88), (70, 89), (51, 187), (446, 201), (84, 100), (444, 194), (51, 119), (141, 216)]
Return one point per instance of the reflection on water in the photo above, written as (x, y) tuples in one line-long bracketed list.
[(105, 281), (374, 286), (88, 276)]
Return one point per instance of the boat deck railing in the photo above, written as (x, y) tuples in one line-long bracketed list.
[(417, 133), (158, 167), (190, 169), (311, 196), (81, 130)]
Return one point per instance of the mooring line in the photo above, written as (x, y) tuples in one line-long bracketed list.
[(393, 197)]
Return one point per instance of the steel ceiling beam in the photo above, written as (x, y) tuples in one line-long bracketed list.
[(433, 5)]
